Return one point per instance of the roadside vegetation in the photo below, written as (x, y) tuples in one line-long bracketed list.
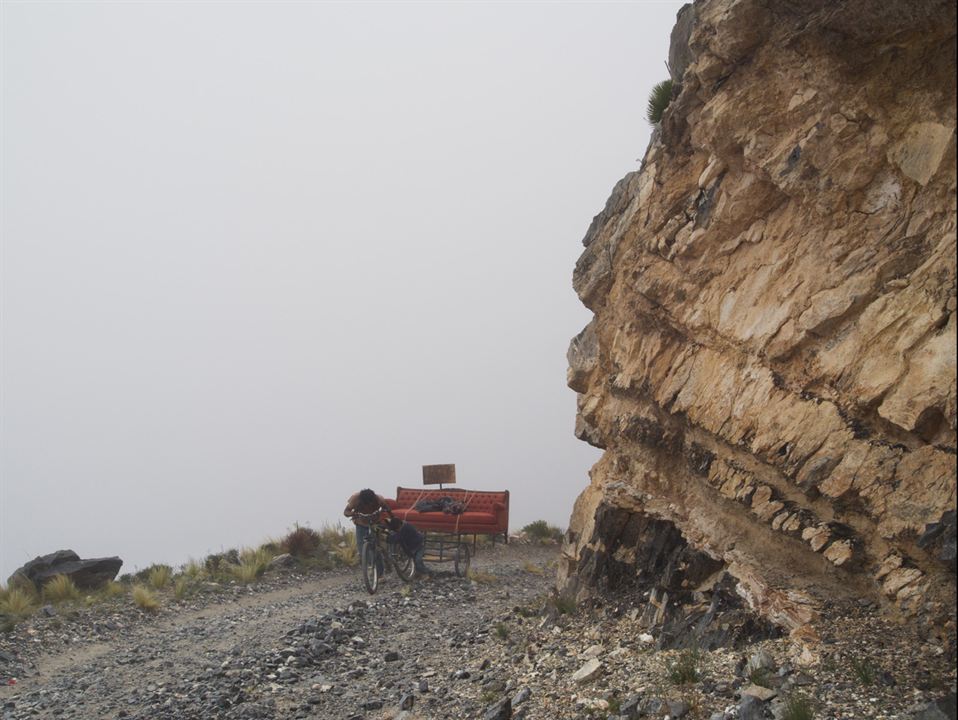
[(160, 585)]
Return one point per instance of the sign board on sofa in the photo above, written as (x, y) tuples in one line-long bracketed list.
[(438, 474)]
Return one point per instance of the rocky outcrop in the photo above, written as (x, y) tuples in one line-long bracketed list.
[(771, 365), (86, 574)]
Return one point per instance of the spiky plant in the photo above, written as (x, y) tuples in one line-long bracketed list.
[(659, 99), (60, 589), (144, 598), (159, 576)]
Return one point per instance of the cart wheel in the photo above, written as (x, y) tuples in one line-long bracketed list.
[(370, 572), (405, 568), (463, 560)]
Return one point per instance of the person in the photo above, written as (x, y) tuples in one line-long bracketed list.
[(365, 502), (412, 542)]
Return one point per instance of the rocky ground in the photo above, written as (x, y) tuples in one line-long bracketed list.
[(317, 646)]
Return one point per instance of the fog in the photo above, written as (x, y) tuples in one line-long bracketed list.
[(257, 256)]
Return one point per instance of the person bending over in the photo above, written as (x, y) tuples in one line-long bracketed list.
[(365, 502)]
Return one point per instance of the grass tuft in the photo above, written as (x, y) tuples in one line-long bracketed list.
[(798, 707), (659, 99), (144, 598), (864, 671), (60, 589), (533, 568), (346, 551), (684, 670), (159, 576), (502, 631), (564, 604), (17, 603), (483, 578), (182, 587)]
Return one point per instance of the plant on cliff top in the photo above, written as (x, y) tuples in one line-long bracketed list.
[(659, 99)]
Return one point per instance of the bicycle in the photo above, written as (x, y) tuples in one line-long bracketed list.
[(382, 546)]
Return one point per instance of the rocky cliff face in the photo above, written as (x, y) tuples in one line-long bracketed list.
[(771, 365)]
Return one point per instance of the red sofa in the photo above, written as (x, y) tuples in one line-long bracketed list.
[(487, 512)]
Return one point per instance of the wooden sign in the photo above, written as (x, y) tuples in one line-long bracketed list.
[(438, 474)]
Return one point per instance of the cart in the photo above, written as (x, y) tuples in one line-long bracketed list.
[(448, 547)]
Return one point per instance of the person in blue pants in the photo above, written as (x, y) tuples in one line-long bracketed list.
[(365, 502)]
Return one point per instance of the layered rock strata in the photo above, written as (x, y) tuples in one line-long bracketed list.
[(771, 365)]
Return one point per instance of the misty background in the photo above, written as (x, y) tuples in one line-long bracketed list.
[(258, 256)]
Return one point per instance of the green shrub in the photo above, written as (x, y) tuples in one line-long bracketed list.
[(863, 671), (659, 99), (541, 531), (684, 670), (502, 631), (564, 604)]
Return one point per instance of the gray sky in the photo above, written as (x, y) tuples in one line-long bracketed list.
[(258, 256)]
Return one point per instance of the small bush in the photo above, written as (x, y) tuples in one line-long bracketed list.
[(564, 604), (181, 587), (659, 99), (301, 542), (541, 531), (113, 589), (194, 570), (684, 670), (798, 707), (259, 559), (502, 631), (60, 589), (17, 603), (532, 568), (484, 578), (157, 576), (244, 572), (346, 551), (760, 676), (864, 671), (144, 598)]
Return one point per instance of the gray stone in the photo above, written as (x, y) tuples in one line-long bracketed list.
[(680, 54), (85, 574), (521, 696), (761, 660), (751, 708), (587, 672), (502, 710), (282, 561), (941, 709), (678, 708)]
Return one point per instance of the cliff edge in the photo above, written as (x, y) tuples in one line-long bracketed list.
[(771, 366)]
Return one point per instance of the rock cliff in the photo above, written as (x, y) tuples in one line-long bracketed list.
[(771, 366)]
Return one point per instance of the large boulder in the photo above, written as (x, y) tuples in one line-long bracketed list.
[(86, 574)]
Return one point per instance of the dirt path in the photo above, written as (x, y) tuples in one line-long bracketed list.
[(216, 661)]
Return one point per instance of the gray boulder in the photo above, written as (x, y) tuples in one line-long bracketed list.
[(942, 709), (85, 574)]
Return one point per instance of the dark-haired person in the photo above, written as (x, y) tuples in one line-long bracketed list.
[(365, 502)]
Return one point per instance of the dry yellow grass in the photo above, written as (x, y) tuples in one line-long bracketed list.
[(144, 598), (17, 602), (160, 576), (481, 577), (60, 589)]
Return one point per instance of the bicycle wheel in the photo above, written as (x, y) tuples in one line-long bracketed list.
[(370, 572), (405, 568), (463, 560)]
